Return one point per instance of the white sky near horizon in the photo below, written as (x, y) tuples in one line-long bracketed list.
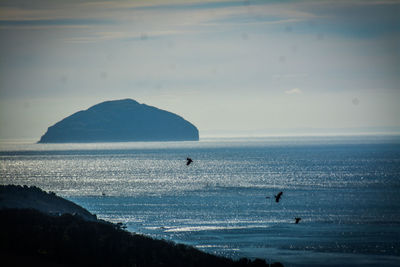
[(229, 67)]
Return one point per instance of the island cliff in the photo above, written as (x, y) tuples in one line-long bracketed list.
[(121, 121)]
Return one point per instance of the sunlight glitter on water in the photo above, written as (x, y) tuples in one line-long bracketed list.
[(224, 201)]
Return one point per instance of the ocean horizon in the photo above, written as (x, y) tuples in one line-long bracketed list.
[(344, 189)]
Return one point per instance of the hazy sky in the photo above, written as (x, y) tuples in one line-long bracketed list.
[(229, 67)]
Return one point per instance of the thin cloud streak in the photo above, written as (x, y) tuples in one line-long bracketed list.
[(123, 36), (53, 22), (294, 91)]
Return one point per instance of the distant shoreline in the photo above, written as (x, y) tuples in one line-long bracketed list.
[(31, 141)]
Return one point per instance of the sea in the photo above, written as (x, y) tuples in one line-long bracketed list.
[(345, 189)]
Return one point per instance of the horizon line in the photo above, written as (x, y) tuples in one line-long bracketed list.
[(226, 136)]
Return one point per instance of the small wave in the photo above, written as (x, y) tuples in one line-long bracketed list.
[(210, 228), (212, 246)]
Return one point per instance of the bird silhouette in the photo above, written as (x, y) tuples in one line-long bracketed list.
[(278, 196), (188, 161), (297, 220)]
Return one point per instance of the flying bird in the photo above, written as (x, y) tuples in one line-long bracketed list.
[(188, 161), (297, 220), (278, 196)]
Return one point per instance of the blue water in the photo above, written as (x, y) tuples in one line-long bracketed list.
[(345, 189)]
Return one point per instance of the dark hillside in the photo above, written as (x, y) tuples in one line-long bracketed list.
[(31, 237), (24, 197), (54, 237)]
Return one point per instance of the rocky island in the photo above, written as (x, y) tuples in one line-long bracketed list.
[(121, 121)]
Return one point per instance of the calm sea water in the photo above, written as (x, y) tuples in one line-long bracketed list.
[(345, 189)]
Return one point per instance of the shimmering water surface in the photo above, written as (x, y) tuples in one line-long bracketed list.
[(345, 189)]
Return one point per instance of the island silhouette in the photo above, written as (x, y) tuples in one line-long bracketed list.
[(121, 121)]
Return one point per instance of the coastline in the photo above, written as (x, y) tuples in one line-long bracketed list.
[(34, 233)]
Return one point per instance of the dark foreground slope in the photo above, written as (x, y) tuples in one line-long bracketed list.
[(31, 237), (24, 197), (121, 121)]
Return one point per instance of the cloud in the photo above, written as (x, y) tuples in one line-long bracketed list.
[(358, 19), (290, 76), (294, 91), (52, 22), (124, 36)]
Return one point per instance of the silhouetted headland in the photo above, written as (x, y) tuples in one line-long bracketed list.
[(121, 121), (24, 197), (54, 237)]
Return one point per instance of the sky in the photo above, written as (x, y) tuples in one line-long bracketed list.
[(232, 68)]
